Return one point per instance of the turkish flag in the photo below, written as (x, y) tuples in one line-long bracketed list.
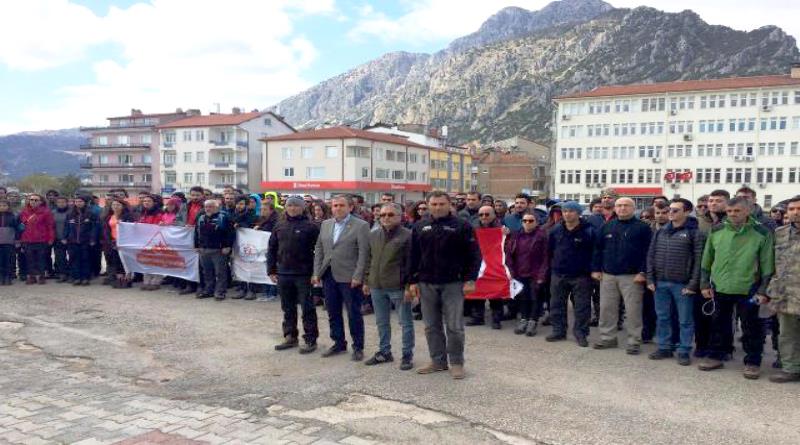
[(670, 176), (494, 279)]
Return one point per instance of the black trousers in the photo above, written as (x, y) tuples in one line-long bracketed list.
[(294, 290), (531, 300), (80, 261), (61, 263), (6, 256), (722, 324), (36, 255), (580, 289), (702, 328)]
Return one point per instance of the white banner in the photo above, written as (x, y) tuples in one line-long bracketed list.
[(160, 250), (250, 256)]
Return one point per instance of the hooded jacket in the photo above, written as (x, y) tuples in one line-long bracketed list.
[(177, 218), (151, 216), (39, 225), (736, 260), (257, 198), (675, 254), (275, 200)]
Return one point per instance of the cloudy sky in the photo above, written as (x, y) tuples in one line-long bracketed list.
[(69, 63)]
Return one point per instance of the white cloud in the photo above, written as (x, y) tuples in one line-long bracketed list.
[(439, 21), (165, 54)]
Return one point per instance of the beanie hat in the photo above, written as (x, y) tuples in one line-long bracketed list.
[(572, 205), (295, 201)]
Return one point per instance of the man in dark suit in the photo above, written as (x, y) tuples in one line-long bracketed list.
[(340, 260)]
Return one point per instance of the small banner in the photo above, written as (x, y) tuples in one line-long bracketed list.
[(494, 279), (160, 250), (250, 256)]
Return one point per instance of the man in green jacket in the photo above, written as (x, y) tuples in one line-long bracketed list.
[(738, 262), (387, 278), (784, 292)]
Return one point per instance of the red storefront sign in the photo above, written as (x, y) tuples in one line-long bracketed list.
[(343, 185), (638, 191)]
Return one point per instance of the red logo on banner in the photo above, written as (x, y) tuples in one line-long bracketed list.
[(157, 253)]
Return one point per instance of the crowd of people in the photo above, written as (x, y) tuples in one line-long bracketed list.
[(683, 275)]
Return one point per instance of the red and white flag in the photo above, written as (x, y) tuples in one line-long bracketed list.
[(494, 279)]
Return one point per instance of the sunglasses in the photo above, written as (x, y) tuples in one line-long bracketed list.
[(34, 199), (702, 206), (529, 220), (675, 210), (484, 214), (422, 208)]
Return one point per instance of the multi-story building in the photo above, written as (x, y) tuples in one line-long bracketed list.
[(514, 165), (336, 160), (683, 138), (452, 168), (216, 150), (124, 154)]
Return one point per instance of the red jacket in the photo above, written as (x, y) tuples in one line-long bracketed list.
[(40, 227), (192, 210), (154, 217)]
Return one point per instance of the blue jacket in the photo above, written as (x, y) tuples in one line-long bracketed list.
[(621, 247), (214, 232), (570, 251), (10, 227), (513, 221), (81, 228)]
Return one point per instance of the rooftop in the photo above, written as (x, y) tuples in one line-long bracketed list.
[(682, 86), (213, 120), (345, 133)]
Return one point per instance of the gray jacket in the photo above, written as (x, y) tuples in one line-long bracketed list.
[(60, 219), (675, 254), (347, 258)]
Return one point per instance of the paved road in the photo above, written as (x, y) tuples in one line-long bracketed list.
[(72, 360)]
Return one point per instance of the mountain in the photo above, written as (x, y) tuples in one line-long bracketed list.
[(499, 81), (55, 152)]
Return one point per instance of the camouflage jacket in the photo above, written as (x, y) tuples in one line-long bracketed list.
[(784, 289)]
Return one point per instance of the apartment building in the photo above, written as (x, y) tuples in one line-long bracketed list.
[(453, 169), (216, 150), (683, 138), (124, 154), (510, 166), (337, 160)]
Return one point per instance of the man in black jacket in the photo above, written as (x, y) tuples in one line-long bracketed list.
[(620, 264), (673, 273), (214, 237), (444, 265), (290, 264)]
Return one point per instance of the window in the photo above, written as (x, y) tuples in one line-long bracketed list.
[(381, 173), (306, 152), (267, 122), (398, 174), (187, 178), (147, 138), (379, 154), (412, 176), (401, 156), (187, 135), (147, 177), (201, 179), (412, 158), (169, 137), (101, 141), (124, 159), (315, 172), (286, 153), (389, 155), (288, 172), (125, 178), (365, 172), (331, 152), (169, 158), (357, 152), (200, 135), (170, 177), (187, 157), (200, 156)]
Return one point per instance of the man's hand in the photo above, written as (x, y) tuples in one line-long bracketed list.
[(687, 291), (314, 281), (708, 293), (355, 283), (597, 275), (413, 289), (762, 299), (652, 287), (469, 287), (640, 278), (226, 250), (274, 278), (64, 242), (365, 289), (506, 230)]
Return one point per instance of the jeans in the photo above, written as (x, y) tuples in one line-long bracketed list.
[(561, 287), (6, 254), (382, 300), (531, 300), (722, 323), (612, 289), (214, 266), (336, 296), (294, 290), (789, 342), (80, 261), (667, 295), (61, 263), (442, 310), (36, 257)]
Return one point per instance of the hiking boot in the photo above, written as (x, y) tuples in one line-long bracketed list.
[(289, 342), (751, 372), (607, 344), (520, 329), (239, 295), (203, 295), (379, 358), (684, 359), (633, 350), (251, 296), (308, 348), (496, 324), (430, 368), (407, 363), (334, 350), (530, 329), (659, 354), (710, 364), (785, 377), (582, 342), (555, 337), (357, 355), (30, 280), (457, 372), (220, 297), (475, 322)]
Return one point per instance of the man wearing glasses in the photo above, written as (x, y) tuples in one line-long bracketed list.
[(487, 218), (673, 273), (387, 277)]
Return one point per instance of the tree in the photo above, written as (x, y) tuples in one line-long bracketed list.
[(38, 183), (69, 184)]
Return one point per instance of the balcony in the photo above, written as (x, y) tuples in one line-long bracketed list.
[(229, 145), (120, 126), (117, 184), (89, 165), (222, 165), (130, 145)]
